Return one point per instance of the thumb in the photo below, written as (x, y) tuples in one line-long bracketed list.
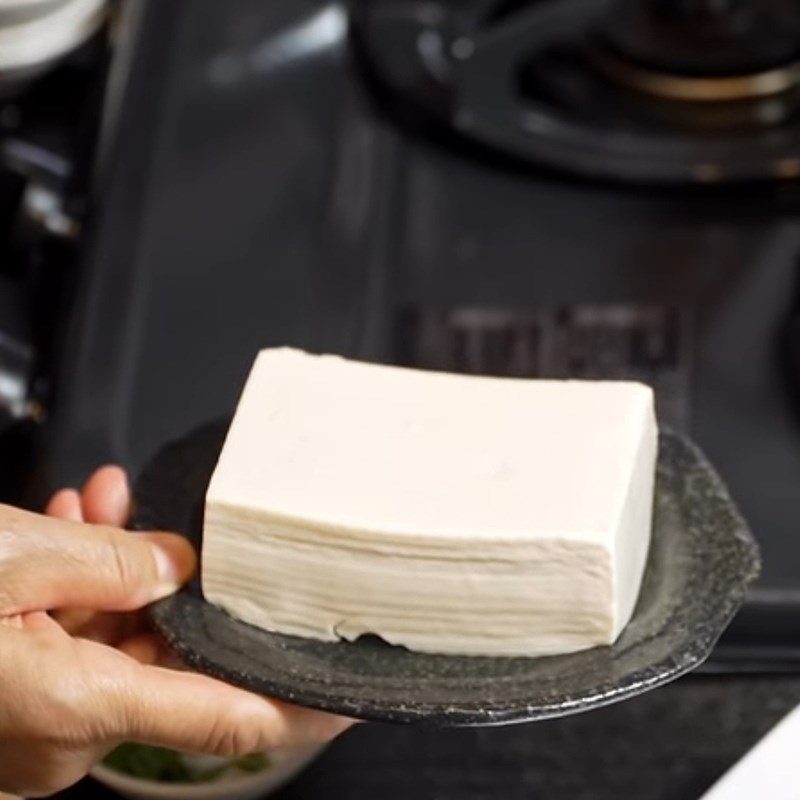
[(47, 563)]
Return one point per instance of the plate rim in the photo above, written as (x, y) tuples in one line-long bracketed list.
[(671, 667)]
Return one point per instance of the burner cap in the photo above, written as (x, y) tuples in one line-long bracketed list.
[(703, 38), (693, 88), (702, 50)]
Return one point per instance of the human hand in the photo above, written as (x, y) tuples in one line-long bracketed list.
[(65, 700), (106, 500)]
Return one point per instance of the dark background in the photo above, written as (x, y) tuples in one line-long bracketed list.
[(671, 744)]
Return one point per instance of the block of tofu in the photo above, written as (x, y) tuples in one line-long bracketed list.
[(446, 513)]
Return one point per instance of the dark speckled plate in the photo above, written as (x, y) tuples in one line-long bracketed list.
[(701, 560)]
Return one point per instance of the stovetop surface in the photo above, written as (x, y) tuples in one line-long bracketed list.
[(252, 192), (257, 189), (671, 744)]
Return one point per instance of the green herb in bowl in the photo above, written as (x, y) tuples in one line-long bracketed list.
[(168, 766)]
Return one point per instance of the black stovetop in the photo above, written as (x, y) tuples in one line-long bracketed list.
[(671, 744), (257, 189)]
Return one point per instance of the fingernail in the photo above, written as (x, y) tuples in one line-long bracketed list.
[(169, 578)]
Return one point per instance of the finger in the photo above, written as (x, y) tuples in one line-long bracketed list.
[(198, 714), (40, 621), (106, 628), (72, 620), (47, 564), (32, 621), (106, 497), (65, 504), (144, 648)]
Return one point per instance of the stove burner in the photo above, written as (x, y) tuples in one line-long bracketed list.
[(697, 88), (702, 50), (669, 91), (704, 38)]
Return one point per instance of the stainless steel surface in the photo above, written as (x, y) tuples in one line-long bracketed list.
[(34, 35), (14, 12), (15, 370)]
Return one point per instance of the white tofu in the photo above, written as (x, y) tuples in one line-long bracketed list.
[(446, 513)]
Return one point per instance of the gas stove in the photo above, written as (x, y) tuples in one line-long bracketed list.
[(511, 188), (653, 91), (53, 60)]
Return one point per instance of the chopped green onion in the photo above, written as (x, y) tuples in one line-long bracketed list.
[(168, 766)]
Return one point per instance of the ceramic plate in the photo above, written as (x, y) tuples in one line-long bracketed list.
[(701, 560)]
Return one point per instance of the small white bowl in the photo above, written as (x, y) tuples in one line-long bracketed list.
[(284, 765)]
